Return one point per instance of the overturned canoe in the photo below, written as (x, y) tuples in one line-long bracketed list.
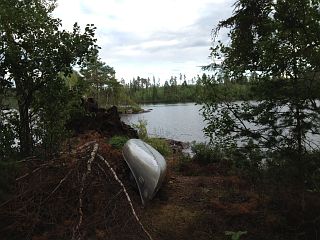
[(147, 166)]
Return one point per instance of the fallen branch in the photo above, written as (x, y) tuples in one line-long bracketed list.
[(56, 188), (35, 170), (27, 159), (126, 193), (83, 146), (84, 178)]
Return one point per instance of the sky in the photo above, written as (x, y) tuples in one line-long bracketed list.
[(146, 38)]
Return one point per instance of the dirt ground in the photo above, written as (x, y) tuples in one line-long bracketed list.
[(199, 207), (76, 196), (46, 204), (206, 207)]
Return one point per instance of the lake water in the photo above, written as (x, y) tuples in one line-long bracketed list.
[(182, 121)]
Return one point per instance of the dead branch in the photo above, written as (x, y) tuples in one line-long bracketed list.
[(126, 193), (27, 159), (34, 171), (76, 233), (83, 146), (70, 197), (56, 188)]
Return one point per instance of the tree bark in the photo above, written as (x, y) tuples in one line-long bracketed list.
[(24, 128)]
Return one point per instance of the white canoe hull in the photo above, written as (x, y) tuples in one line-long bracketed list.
[(147, 166)]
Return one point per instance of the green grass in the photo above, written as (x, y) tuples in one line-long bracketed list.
[(118, 141), (160, 145)]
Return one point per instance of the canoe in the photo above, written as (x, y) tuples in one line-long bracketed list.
[(147, 166)]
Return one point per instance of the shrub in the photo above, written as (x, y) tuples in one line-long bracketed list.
[(160, 145), (136, 108), (8, 134), (141, 127), (235, 235), (118, 141), (205, 153), (183, 163)]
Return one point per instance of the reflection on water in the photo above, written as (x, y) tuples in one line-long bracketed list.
[(182, 122)]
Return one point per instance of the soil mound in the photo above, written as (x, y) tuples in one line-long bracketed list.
[(107, 122)]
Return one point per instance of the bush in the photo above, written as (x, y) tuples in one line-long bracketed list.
[(183, 163), (205, 153), (141, 127), (160, 145), (52, 107), (118, 141), (8, 134)]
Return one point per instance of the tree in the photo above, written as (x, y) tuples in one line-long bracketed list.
[(97, 74), (166, 90), (154, 90), (33, 51), (278, 43)]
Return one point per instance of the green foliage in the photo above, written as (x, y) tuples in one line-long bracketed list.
[(118, 141), (8, 134), (183, 162), (235, 235), (35, 51), (141, 127), (143, 91), (285, 116), (313, 171), (248, 160), (101, 78), (8, 100), (160, 145), (8, 152), (54, 105), (136, 108), (205, 153)]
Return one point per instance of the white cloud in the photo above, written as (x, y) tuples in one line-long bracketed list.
[(149, 37)]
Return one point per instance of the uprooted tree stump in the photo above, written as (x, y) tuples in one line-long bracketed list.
[(106, 122), (80, 195)]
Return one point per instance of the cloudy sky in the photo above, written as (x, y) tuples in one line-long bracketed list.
[(149, 37)]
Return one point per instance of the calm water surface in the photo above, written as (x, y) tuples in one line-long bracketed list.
[(182, 121)]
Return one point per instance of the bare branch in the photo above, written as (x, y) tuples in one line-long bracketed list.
[(76, 233), (126, 193)]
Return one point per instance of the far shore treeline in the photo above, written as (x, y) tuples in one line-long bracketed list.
[(139, 90)]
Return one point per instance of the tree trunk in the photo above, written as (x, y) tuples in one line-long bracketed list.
[(25, 130)]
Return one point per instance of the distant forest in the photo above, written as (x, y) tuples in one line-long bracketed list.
[(179, 89), (139, 90)]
